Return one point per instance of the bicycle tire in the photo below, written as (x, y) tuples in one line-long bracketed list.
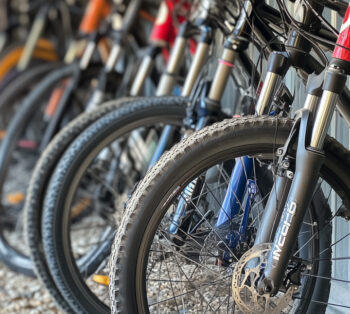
[(17, 90), (12, 257), (198, 152), (143, 112), (37, 189)]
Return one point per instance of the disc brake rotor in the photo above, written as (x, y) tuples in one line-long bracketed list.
[(245, 280)]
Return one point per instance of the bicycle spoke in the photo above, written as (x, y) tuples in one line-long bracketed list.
[(185, 293), (189, 259), (326, 303), (172, 288), (335, 243), (192, 281), (316, 234), (217, 234), (327, 278)]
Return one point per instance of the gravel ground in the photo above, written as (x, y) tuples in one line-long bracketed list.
[(21, 294)]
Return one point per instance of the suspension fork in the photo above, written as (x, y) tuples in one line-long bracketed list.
[(233, 46), (34, 35), (278, 66), (297, 54), (297, 49), (118, 32), (279, 192), (201, 56), (147, 63), (166, 83), (309, 159), (168, 79), (144, 71), (210, 105)]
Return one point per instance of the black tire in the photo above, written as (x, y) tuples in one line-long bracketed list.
[(65, 179), (178, 167), (11, 256), (15, 92), (37, 188)]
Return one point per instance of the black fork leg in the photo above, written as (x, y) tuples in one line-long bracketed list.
[(309, 160)]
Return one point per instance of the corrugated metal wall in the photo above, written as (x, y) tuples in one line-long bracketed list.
[(341, 229)]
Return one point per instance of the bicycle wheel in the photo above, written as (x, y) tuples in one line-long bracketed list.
[(37, 189), (13, 95), (153, 269), (96, 173), (19, 151)]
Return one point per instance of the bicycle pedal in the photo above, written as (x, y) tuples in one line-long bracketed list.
[(101, 279), (15, 198)]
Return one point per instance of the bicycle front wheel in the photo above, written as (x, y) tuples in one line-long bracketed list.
[(156, 268), (88, 189)]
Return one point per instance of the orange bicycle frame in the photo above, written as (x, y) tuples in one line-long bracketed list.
[(96, 11)]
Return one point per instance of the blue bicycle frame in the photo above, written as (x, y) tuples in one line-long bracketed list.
[(233, 200)]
